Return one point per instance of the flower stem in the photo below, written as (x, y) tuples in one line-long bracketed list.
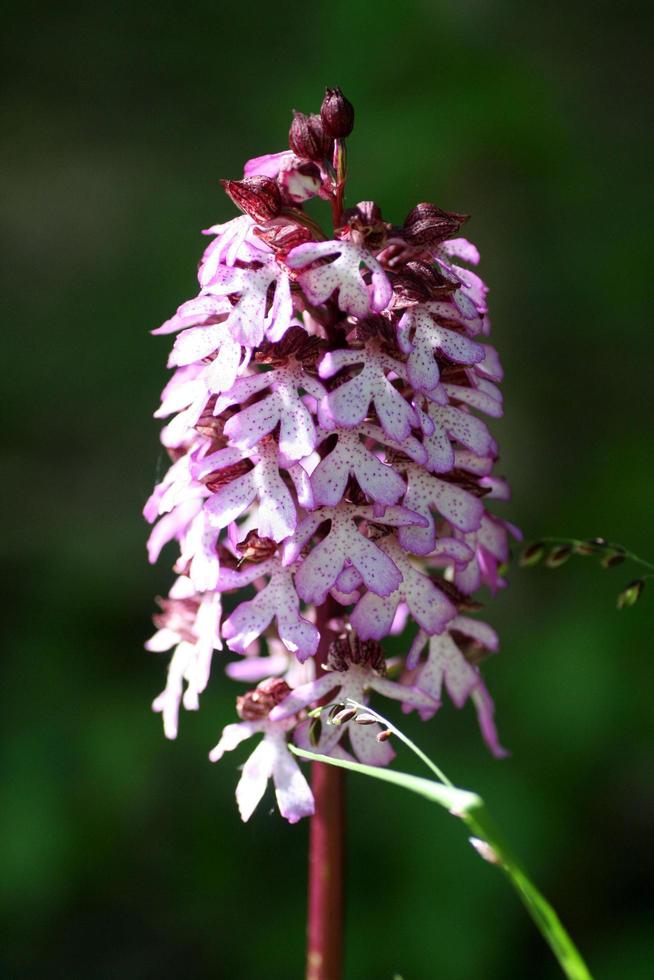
[(340, 169), (326, 849)]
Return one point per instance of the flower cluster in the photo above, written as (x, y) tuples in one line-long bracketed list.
[(327, 455)]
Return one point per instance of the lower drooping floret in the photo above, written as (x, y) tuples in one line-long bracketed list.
[(327, 455)]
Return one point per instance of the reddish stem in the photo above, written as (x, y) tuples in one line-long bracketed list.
[(340, 168), (326, 847)]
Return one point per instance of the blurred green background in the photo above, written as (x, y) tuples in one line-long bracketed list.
[(122, 854)]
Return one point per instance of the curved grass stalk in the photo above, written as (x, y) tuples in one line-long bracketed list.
[(470, 808)]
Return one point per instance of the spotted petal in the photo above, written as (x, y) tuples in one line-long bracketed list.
[(342, 275), (373, 616)]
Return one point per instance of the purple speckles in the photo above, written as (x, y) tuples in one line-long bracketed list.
[(341, 274)]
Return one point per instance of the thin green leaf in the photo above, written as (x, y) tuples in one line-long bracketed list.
[(457, 801), (470, 808)]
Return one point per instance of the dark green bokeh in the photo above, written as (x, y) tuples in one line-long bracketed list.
[(123, 855)]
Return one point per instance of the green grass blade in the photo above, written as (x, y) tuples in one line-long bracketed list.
[(470, 808), (454, 800)]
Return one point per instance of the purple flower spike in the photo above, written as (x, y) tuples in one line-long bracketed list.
[(327, 455)]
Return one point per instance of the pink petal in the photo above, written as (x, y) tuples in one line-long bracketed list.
[(254, 778), (229, 502), (294, 796), (231, 737), (366, 748)]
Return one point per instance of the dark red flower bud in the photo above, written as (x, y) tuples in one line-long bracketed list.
[(257, 196), (257, 704), (427, 224), (431, 279), (337, 114), (307, 137)]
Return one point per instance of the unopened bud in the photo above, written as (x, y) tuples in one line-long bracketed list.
[(586, 548), (365, 719), (343, 716), (257, 704), (630, 596), (333, 711), (558, 556), (307, 137), (384, 736), (532, 554), (427, 224), (612, 559), (337, 114), (258, 196)]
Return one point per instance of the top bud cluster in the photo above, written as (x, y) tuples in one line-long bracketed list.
[(327, 453)]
